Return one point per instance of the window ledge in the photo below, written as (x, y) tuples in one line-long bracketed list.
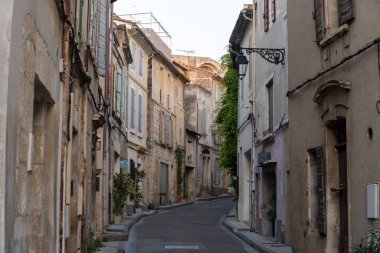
[(335, 34)]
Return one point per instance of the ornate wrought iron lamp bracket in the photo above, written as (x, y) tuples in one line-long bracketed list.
[(272, 55)]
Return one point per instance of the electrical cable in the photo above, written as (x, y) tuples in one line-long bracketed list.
[(345, 59)]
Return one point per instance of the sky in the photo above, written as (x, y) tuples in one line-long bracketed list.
[(203, 26)]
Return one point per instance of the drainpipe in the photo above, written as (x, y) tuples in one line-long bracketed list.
[(64, 102)]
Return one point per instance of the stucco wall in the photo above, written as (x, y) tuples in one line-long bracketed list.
[(307, 129)]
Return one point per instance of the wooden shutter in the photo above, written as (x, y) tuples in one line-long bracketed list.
[(133, 108), (141, 63), (167, 129), (321, 190), (140, 115), (346, 11), (318, 16), (266, 16), (273, 10), (118, 93), (161, 127), (102, 37), (133, 65)]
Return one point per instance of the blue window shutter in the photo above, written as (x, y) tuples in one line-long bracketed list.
[(133, 65), (125, 94), (140, 114), (132, 108), (102, 37), (141, 58), (118, 92)]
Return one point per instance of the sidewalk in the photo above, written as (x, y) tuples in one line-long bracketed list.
[(116, 233), (258, 242)]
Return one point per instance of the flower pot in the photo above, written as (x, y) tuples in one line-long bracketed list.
[(117, 219), (178, 199)]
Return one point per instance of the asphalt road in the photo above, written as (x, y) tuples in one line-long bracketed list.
[(191, 228)]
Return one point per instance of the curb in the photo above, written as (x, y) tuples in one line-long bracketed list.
[(124, 235), (215, 197), (255, 246), (168, 207)]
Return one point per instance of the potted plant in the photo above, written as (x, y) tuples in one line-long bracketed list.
[(180, 156), (135, 190), (120, 194)]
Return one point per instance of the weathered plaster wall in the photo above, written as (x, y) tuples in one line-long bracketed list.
[(35, 35), (307, 129)]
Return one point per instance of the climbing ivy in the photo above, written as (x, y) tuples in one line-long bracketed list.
[(226, 121), (227, 118), (180, 156)]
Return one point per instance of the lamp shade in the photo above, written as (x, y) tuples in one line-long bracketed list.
[(241, 59)]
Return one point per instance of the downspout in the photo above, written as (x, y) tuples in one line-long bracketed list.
[(109, 110), (62, 162)]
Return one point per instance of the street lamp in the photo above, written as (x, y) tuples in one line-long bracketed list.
[(272, 55)]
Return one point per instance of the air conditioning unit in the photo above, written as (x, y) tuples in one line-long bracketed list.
[(263, 157)]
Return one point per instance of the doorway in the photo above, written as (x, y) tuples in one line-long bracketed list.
[(163, 183), (338, 128)]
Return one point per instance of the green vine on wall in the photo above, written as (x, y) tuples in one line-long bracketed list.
[(227, 121), (180, 156)]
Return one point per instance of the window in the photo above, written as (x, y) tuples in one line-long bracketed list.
[(133, 65), (168, 101), (141, 64), (160, 96), (270, 104), (266, 16), (140, 114), (328, 18), (132, 108)]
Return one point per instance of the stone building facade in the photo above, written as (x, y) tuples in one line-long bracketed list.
[(202, 94), (263, 118), (54, 99), (333, 98), (158, 129)]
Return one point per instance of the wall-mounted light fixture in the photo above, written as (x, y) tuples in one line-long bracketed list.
[(272, 55)]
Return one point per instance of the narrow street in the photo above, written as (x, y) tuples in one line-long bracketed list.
[(192, 228)]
